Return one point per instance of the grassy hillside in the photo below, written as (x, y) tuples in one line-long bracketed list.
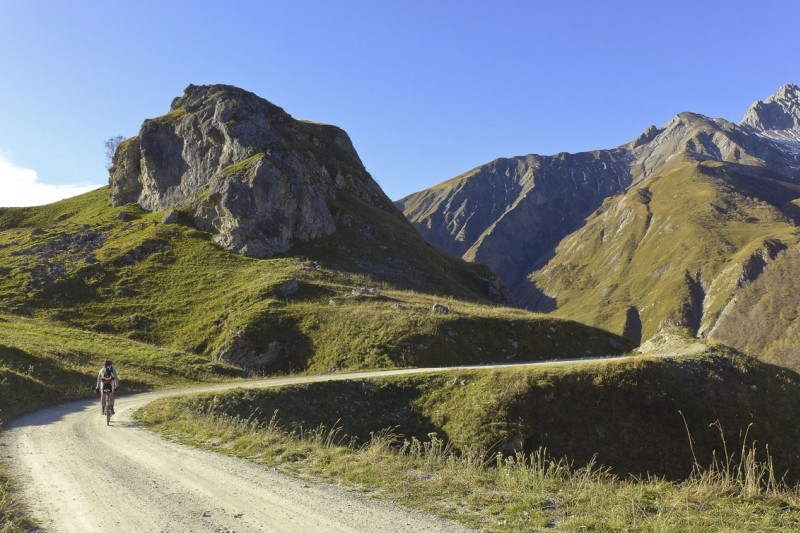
[(670, 252), (765, 317), (423, 440), (43, 363), (360, 299), (81, 281), (632, 416)]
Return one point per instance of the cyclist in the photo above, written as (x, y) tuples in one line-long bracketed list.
[(108, 380)]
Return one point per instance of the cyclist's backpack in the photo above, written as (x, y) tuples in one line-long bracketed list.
[(107, 372)]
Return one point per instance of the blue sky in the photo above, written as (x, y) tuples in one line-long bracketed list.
[(426, 89)]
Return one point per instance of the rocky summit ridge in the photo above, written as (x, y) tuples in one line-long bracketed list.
[(243, 169), (663, 231), (780, 112)]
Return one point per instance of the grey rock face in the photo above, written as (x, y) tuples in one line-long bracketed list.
[(781, 111), (171, 217), (247, 170), (510, 212)]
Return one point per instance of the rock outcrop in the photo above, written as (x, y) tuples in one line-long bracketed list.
[(509, 213), (244, 169), (779, 112)]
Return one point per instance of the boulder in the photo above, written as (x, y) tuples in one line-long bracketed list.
[(440, 308), (365, 291), (171, 217), (287, 289)]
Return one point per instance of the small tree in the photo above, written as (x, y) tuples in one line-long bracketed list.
[(112, 143)]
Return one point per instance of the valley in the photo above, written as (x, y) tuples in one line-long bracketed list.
[(540, 333)]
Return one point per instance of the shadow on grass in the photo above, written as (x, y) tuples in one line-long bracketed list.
[(466, 340)]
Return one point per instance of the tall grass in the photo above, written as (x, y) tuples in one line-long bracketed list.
[(12, 515), (496, 492), (744, 475)]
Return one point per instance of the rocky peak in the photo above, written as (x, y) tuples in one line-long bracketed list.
[(649, 134), (244, 168), (196, 96), (781, 111)]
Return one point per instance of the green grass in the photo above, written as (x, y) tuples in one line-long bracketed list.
[(43, 363), (13, 517), (244, 165), (431, 442), (172, 118), (672, 251), (630, 416), (80, 282), (168, 285)]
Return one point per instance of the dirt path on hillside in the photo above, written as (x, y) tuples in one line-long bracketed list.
[(77, 474)]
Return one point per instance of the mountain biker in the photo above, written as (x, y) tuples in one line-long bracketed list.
[(108, 380)]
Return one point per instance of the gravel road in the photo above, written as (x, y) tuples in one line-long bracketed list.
[(79, 475)]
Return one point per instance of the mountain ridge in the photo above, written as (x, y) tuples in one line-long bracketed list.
[(747, 174)]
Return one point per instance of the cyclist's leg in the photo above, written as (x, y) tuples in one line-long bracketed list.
[(102, 401), (111, 400)]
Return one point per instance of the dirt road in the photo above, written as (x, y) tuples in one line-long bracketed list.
[(78, 475)]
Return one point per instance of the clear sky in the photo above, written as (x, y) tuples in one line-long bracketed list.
[(427, 89)]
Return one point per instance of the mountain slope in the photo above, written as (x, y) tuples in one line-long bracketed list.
[(361, 295), (669, 252), (511, 212), (769, 307), (342, 302), (665, 232)]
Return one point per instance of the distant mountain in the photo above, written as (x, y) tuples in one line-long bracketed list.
[(663, 231)]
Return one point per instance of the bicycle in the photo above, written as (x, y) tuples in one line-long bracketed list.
[(108, 406)]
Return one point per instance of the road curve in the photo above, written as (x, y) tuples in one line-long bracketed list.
[(77, 474)]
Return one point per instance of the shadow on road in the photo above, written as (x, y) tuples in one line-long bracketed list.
[(51, 414)]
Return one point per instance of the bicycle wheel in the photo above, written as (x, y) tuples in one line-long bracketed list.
[(107, 402)]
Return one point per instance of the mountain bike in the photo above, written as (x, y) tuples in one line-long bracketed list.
[(108, 410)]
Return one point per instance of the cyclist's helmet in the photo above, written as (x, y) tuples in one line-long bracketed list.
[(108, 362)]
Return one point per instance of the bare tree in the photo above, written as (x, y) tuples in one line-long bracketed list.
[(111, 148)]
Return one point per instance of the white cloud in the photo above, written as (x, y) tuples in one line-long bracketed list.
[(20, 187)]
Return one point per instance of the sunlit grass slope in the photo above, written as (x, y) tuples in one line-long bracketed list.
[(121, 271), (670, 252)]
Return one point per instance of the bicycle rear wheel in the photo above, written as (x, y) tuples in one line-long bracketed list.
[(108, 407)]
